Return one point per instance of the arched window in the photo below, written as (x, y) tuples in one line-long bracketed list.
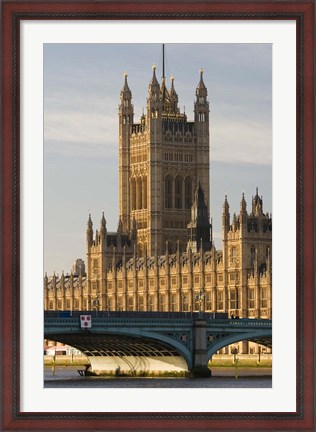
[(133, 194), (202, 117), (144, 193), (252, 256), (139, 194), (233, 254), (188, 193), (168, 192), (178, 192)]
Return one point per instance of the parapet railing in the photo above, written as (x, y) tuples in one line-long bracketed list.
[(60, 318), (134, 314)]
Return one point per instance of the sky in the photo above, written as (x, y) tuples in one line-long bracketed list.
[(82, 84)]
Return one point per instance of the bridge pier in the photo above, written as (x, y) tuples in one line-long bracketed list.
[(199, 354)]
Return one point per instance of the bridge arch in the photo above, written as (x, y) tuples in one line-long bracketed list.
[(146, 335), (237, 337), (141, 336)]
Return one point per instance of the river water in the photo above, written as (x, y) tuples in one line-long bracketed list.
[(68, 377)]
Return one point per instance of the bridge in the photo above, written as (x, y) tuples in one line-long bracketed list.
[(152, 341)]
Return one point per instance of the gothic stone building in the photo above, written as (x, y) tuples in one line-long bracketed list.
[(161, 161), (162, 254)]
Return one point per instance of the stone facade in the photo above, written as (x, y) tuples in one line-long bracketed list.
[(236, 279), (161, 161)]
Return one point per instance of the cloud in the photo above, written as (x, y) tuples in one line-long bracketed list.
[(85, 124), (91, 128), (241, 141)]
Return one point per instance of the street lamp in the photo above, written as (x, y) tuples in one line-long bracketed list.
[(96, 303), (236, 360), (200, 298)]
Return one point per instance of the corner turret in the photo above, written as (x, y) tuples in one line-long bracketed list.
[(257, 204), (102, 227), (89, 231), (201, 105), (225, 215)]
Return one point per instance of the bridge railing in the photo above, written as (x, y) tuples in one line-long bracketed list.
[(141, 317), (244, 322), (134, 314)]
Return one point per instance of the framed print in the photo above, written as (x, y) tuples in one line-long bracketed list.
[(183, 264)]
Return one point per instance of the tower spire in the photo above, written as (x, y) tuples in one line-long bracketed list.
[(163, 61)]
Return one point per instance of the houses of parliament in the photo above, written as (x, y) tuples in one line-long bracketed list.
[(162, 256)]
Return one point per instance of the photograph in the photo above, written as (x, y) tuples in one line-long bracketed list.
[(169, 146)]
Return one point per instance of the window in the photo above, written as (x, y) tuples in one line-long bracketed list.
[(264, 298), (178, 192), (140, 303), (220, 300), (251, 294), (208, 301), (162, 302), (144, 193), (184, 280), (152, 303), (110, 304), (196, 303), (133, 194), (202, 117), (173, 302), (233, 255), (233, 300), (168, 192), (185, 303), (252, 256), (120, 303), (130, 306)]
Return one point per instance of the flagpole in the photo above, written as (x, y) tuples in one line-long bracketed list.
[(163, 61)]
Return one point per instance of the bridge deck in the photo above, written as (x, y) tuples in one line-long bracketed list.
[(153, 334)]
